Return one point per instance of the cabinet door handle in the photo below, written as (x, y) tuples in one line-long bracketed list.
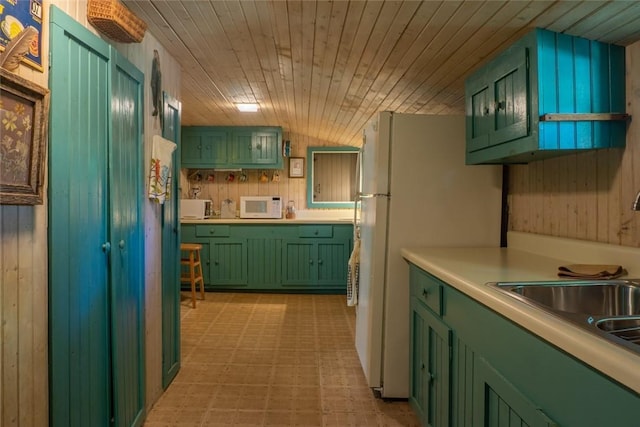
[(316, 232), (501, 105), (216, 262), (431, 377), (485, 112), (106, 247), (319, 262), (121, 244), (422, 367), (212, 231), (311, 262), (425, 293)]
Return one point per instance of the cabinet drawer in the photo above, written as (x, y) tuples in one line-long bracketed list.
[(316, 231), (427, 290), (212, 230)]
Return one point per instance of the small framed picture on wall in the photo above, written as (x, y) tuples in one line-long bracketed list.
[(296, 167)]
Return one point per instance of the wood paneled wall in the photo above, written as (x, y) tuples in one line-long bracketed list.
[(23, 262), (218, 188), (24, 300), (589, 195)]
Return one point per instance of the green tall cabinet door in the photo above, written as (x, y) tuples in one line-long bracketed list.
[(171, 250), (127, 253), (79, 337), (96, 252)]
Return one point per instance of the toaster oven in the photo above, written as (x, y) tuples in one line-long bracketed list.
[(196, 209)]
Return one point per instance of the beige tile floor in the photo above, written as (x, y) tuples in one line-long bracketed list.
[(271, 360)]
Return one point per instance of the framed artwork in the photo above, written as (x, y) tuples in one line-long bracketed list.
[(296, 167), (15, 16), (24, 112)]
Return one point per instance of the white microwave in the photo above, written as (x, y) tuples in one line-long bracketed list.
[(260, 207), (195, 208)]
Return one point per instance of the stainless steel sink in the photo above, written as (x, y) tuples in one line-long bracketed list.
[(626, 328), (610, 308), (597, 298)]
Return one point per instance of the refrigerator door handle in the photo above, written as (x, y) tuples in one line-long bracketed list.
[(356, 224), (371, 196), (357, 200)]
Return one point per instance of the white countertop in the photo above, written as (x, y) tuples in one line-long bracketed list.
[(303, 216), (267, 221), (535, 257)]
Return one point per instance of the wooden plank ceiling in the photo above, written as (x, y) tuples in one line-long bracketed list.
[(321, 69)]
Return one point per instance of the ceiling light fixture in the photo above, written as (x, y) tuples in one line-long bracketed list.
[(247, 108)]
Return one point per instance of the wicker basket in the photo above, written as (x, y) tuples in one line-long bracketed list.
[(116, 21)]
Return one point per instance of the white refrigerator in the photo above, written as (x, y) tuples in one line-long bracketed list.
[(416, 191)]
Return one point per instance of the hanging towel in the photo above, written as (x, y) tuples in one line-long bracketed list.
[(591, 271), (160, 173), (353, 277)]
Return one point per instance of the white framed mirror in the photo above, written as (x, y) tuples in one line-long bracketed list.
[(331, 176)]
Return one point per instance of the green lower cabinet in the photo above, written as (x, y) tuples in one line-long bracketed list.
[(264, 263), (299, 265), (499, 404), (500, 374), (318, 262), (430, 366), (205, 260), (228, 260), (332, 268), (279, 257)]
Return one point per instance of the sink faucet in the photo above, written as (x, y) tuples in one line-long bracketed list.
[(636, 203)]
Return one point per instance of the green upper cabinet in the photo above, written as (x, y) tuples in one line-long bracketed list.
[(548, 94), (210, 147), (257, 148), (206, 148)]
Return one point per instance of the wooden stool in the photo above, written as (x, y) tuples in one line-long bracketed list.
[(195, 269)]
